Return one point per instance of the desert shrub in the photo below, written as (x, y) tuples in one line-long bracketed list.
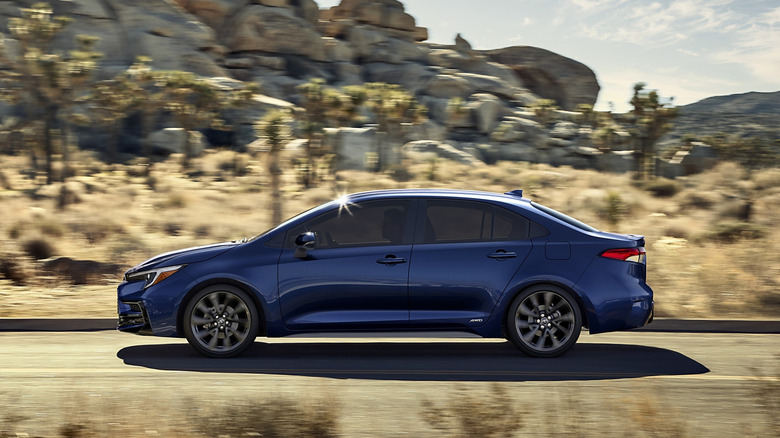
[(46, 226), (275, 418), (662, 188), (730, 232), (615, 208), (400, 173), (466, 414), (11, 269), (96, 231), (11, 419), (175, 200), (233, 163), (698, 199), (69, 194), (38, 248), (736, 209), (203, 230), (5, 182), (172, 228), (680, 230), (767, 179), (766, 393)]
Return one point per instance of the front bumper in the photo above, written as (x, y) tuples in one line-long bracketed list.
[(133, 318)]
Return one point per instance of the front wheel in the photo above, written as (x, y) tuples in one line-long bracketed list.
[(544, 321), (221, 321)]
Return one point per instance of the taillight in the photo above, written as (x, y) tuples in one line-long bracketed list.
[(636, 255)]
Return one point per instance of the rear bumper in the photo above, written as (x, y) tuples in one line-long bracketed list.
[(641, 313)]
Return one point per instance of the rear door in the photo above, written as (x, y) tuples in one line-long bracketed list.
[(463, 259)]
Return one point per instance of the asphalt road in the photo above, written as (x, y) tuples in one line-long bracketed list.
[(706, 382)]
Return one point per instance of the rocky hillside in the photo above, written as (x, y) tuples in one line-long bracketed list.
[(282, 44), (743, 115), (745, 103)]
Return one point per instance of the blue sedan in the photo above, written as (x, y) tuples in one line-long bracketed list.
[(497, 265)]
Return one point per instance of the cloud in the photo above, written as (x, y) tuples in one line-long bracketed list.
[(595, 4), (656, 24), (757, 47)]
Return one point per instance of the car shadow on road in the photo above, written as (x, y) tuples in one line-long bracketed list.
[(432, 361)]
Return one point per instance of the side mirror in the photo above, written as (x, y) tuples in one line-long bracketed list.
[(305, 242)]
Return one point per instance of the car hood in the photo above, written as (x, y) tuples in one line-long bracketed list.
[(184, 256)]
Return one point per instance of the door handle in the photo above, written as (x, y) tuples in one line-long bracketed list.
[(502, 254), (390, 260)]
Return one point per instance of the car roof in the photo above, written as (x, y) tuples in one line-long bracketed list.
[(514, 197)]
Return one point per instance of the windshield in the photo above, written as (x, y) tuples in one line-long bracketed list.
[(569, 220)]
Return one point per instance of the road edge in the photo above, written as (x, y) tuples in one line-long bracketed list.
[(658, 325)]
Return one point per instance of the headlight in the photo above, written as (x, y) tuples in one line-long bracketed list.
[(153, 276)]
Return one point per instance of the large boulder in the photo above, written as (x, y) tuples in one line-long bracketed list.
[(470, 62), (353, 146), (173, 38), (617, 162), (173, 140), (697, 159), (211, 12), (490, 84), (550, 75), (423, 150), (386, 14), (410, 75), (269, 29), (446, 86), (485, 108)]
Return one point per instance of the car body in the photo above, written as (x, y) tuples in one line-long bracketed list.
[(497, 265)]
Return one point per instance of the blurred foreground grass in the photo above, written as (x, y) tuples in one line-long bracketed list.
[(638, 408), (710, 237)]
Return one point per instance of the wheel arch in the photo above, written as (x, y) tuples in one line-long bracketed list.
[(262, 327), (522, 288)]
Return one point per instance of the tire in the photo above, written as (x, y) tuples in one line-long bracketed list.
[(544, 321), (221, 321)]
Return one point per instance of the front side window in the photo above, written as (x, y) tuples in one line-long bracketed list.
[(465, 221), (369, 223)]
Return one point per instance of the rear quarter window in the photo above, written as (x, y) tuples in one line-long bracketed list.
[(562, 217)]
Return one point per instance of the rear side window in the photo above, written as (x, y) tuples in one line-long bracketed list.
[(466, 221)]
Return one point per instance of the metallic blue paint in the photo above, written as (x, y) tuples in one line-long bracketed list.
[(438, 286)]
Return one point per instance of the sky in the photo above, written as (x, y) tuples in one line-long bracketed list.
[(685, 49)]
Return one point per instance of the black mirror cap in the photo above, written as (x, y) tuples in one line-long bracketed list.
[(304, 242)]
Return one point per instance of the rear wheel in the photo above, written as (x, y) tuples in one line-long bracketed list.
[(221, 321), (544, 321)]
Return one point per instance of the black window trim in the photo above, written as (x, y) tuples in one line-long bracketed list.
[(422, 209), (408, 226)]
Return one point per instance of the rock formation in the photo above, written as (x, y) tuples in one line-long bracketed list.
[(480, 103), (550, 75)]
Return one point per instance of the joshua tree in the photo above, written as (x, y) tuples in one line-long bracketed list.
[(195, 102), (651, 120), (318, 103), (275, 129), (391, 106), (48, 84), (111, 102)]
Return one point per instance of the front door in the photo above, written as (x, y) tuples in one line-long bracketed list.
[(356, 276)]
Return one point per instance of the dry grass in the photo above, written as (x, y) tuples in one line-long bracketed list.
[(467, 409), (708, 235)]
